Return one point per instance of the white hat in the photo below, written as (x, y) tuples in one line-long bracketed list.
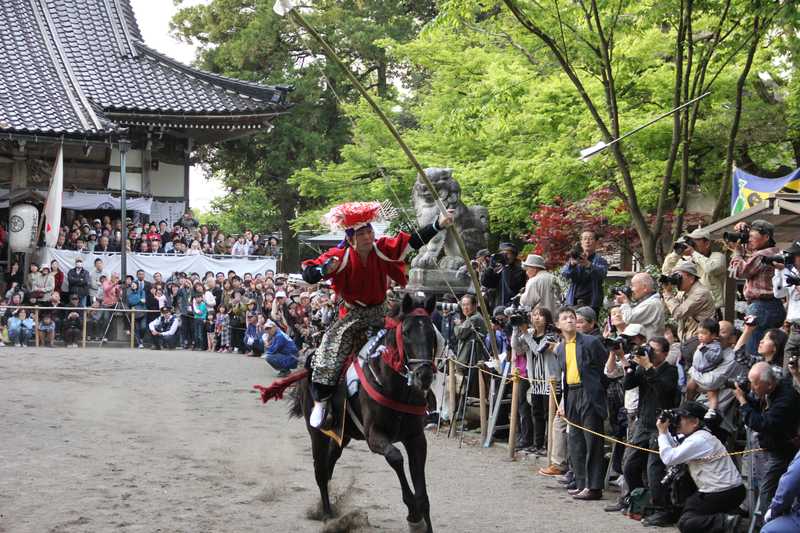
[(44, 265), (280, 294), (534, 261), (633, 330), (270, 324), (700, 233)]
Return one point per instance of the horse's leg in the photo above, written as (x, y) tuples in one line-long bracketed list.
[(417, 450), (320, 445), (381, 445)]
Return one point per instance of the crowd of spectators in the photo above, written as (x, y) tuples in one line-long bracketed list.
[(660, 371), (185, 237)]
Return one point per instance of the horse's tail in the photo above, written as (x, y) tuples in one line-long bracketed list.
[(278, 387), (298, 396)]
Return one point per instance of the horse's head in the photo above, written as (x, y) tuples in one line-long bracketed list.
[(419, 340)]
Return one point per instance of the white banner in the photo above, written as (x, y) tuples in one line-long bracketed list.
[(166, 264), (89, 201), (52, 206), (169, 211)]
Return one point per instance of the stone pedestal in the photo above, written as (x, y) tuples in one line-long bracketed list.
[(437, 281)]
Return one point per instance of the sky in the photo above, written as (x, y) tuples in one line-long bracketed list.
[(153, 17)]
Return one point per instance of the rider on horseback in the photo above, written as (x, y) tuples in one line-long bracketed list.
[(359, 269)]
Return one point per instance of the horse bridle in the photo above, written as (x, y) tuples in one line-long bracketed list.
[(412, 364)]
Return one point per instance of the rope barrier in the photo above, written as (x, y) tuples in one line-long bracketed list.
[(643, 449)]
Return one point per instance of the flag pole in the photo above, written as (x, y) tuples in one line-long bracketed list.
[(283, 7)]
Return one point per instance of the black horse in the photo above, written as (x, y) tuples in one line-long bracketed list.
[(384, 426)]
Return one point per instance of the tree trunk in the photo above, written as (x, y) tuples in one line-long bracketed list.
[(290, 258), (724, 190)]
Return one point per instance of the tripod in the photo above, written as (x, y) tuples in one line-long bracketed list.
[(119, 306), (463, 392)]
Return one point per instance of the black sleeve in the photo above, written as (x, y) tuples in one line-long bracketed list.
[(422, 236)]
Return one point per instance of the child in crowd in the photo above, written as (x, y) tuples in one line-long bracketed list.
[(210, 336), (200, 313), (222, 327), (20, 328), (47, 330)]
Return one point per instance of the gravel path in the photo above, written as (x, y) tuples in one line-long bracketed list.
[(137, 440)]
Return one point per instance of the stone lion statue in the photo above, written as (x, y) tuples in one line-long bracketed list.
[(472, 223)]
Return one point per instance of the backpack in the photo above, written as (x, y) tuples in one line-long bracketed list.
[(639, 503)]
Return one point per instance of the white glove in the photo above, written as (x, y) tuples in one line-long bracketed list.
[(768, 516)]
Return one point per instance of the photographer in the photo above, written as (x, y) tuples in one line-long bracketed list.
[(720, 491), (623, 403), (786, 284), (772, 408), (783, 515), (504, 274), (533, 345), (747, 264), (541, 288), (697, 248), (469, 333), (586, 270), (693, 305), (657, 382), (648, 311)]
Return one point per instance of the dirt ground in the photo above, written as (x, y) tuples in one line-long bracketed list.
[(137, 440)]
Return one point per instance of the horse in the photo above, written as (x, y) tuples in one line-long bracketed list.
[(396, 416)]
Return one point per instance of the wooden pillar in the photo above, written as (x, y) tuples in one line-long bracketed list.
[(133, 325), (512, 421), (551, 415), (187, 164), (85, 317), (482, 401), (36, 326)]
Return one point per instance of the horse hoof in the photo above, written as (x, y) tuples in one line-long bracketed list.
[(418, 527)]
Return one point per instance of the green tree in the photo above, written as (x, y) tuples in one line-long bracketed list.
[(245, 39)]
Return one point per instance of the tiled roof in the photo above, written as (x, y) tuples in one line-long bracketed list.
[(70, 65)]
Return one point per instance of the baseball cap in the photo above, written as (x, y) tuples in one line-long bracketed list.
[(507, 246), (692, 408), (270, 323), (688, 267), (587, 313), (632, 330), (700, 233)]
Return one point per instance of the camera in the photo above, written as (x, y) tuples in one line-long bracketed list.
[(447, 307), (499, 258), (742, 381), (620, 289), (782, 258), (739, 237), (576, 253), (668, 415), (615, 343), (517, 316), (791, 280), (681, 244), (671, 279), (644, 350), (673, 473)]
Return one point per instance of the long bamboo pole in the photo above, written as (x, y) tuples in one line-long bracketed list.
[(331, 54)]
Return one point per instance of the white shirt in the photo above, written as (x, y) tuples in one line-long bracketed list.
[(172, 329), (712, 470), (648, 313), (792, 293)]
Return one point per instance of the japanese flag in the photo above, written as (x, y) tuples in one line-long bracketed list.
[(52, 207), (282, 7)]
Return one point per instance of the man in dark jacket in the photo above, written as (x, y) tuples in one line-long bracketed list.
[(773, 410), (505, 275), (79, 281), (582, 358), (586, 270), (657, 381)]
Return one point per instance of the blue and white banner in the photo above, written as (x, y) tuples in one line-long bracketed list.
[(749, 190)]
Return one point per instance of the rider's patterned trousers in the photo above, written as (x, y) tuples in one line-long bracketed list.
[(337, 342)]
